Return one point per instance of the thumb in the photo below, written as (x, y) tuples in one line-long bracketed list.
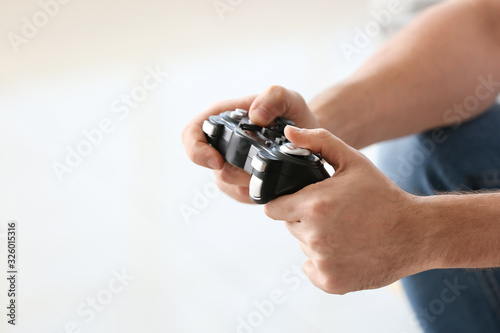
[(335, 151), (277, 101)]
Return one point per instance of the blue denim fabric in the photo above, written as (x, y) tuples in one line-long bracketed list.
[(461, 158)]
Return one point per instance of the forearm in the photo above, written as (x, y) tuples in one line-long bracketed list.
[(409, 85), (460, 231)]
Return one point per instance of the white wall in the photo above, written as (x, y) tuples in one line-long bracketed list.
[(120, 208)]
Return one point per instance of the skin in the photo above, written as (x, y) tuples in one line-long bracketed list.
[(367, 234)]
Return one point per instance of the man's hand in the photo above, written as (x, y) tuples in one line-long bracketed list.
[(275, 102), (355, 226)]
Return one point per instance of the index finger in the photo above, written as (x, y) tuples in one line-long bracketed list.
[(290, 207), (194, 140)]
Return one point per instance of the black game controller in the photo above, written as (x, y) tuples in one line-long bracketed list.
[(277, 166)]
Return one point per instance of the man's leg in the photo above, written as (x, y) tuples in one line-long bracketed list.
[(466, 158)]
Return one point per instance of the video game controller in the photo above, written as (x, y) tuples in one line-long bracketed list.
[(277, 166)]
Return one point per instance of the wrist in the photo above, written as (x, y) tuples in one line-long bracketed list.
[(421, 230), (458, 230), (342, 109)]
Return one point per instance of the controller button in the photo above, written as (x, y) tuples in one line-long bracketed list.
[(244, 112), (255, 187), (279, 141), (237, 114), (259, 164), (291, 149), (209, 128), (268, 143)]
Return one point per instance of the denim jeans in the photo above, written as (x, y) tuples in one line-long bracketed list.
[(460, 158)]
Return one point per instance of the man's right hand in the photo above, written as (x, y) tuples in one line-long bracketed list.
[(275, 101)]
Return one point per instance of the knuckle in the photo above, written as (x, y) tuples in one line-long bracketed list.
[(322, 243), (268, 210), (315, 209), (186, 134), (218, 181), (225, 180), (278, 92), (317, 242), (325, 281), (297, 97), (332, 283), (215, 107), (271, 211), (226, 174), (242, 191), (322, 133), (194, 147), (332, 286)]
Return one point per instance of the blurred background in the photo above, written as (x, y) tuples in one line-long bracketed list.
[(117, 230)]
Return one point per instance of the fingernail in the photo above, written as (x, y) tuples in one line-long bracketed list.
[(261, 115), (294, 128), (213, 164)]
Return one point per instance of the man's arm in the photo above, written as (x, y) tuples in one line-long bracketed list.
[(360, 231), (406, 87), (463, 231), (430, 67)]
